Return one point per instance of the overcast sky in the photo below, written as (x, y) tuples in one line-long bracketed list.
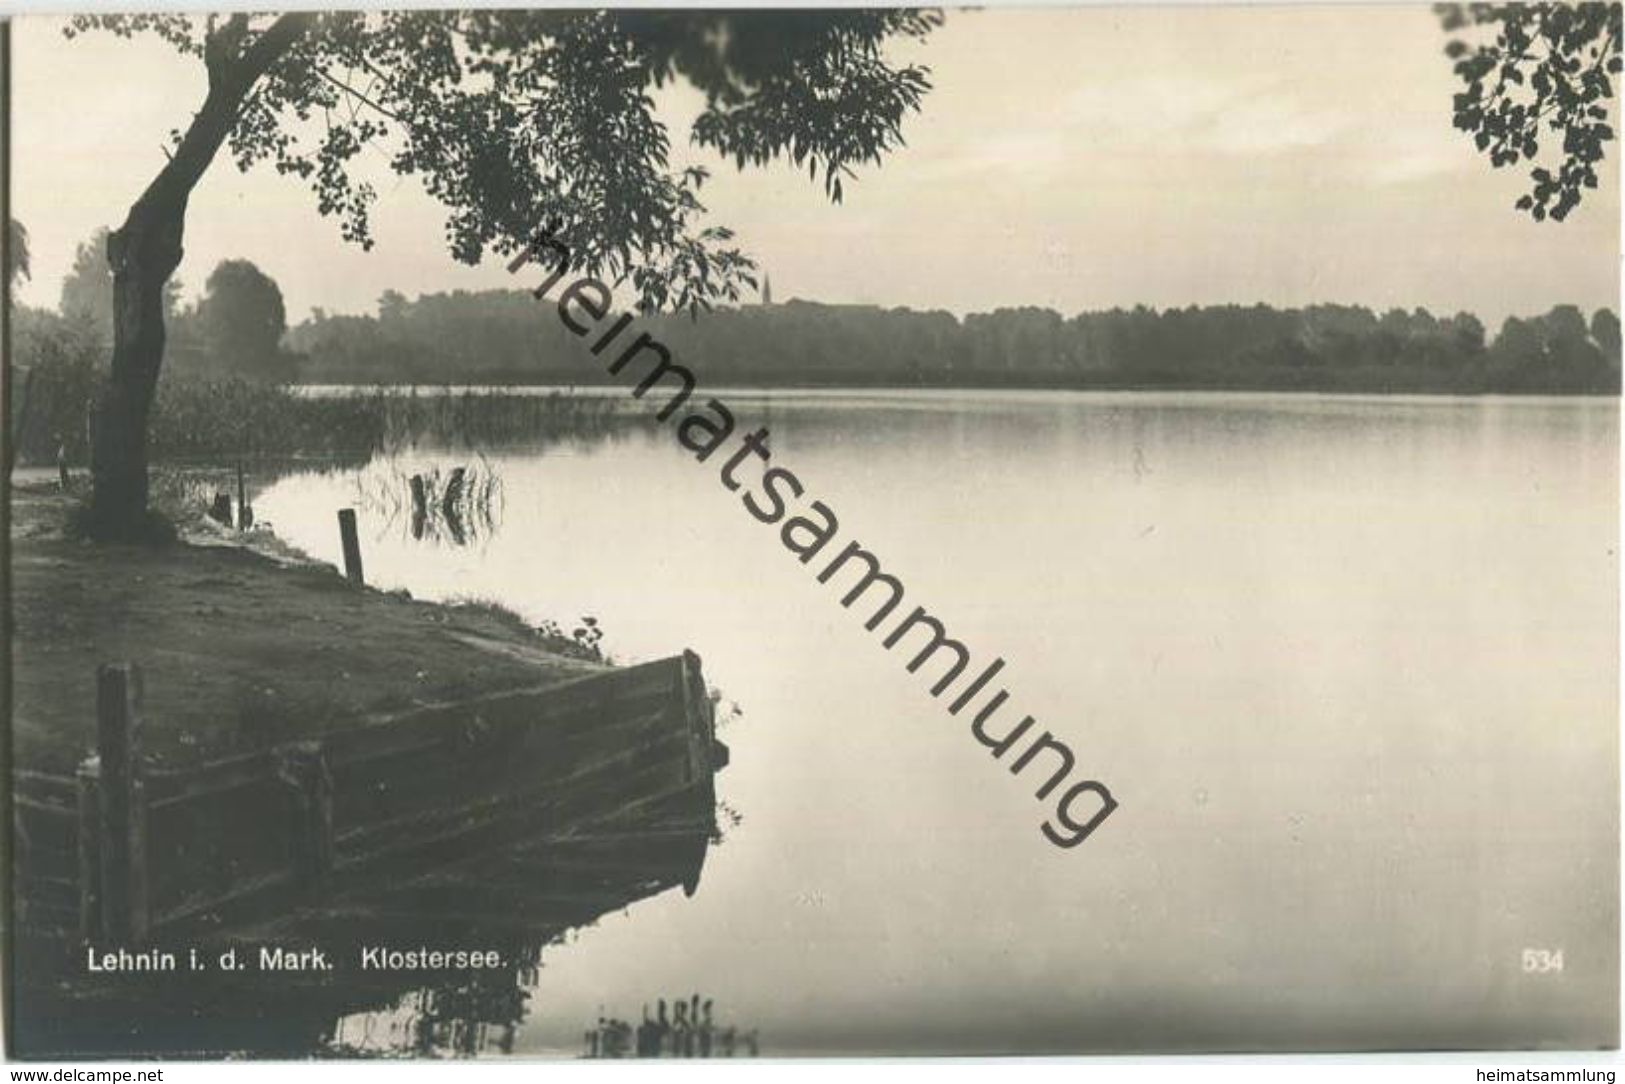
[(1076, 159)]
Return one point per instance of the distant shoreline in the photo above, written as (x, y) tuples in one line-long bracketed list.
[(493, 337)]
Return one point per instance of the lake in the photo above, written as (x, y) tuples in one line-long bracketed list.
[(1348, 664)]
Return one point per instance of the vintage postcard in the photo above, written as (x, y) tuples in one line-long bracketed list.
[(684, 533)]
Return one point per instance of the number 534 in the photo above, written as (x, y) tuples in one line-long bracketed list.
[(1540, 961)]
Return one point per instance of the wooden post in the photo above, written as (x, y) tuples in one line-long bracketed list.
[(90, 849), (352, 545), (302, 767), (123, 804), (245, 514), (62, 465)]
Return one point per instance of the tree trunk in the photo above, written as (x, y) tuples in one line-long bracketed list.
[(143, 253)]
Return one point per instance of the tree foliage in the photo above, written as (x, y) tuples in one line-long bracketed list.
[(87, 288), (240, 320), (17, 259), (62, 359), (1605, 332), (516, 119), (1538, 76)]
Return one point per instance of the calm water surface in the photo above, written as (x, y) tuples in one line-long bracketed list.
[(1349, 665)]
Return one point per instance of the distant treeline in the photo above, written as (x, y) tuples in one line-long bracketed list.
[(499, 337)]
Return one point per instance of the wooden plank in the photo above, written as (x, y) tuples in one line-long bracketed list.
[(249, 889), (596, 694), (484, 806), (360, 878), (483, 813), (178, 787), (123, 804), (590, 761), (436, 780), (215, 842), (47, 810), (61, 893), (45, 787), (649, 834), (45, 828), (90, 856), (304, 769), (700, 716), (412, 846), (48, 862), (570, 703), (517, 874), (56, 923)]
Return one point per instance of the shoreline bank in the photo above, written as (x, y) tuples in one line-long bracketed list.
[(244, 641)]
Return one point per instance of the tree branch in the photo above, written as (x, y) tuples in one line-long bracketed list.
[(230, 80), (220, 44), (356, 94), (276, 40)]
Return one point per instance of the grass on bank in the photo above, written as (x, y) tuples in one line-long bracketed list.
[(239, 652)]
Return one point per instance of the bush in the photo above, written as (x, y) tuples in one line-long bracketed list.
[(59, 366)]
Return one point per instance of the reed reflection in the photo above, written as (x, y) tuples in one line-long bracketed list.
[(689, 1030), (460, 505)]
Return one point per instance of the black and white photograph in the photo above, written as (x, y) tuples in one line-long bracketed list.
[(833, 532)]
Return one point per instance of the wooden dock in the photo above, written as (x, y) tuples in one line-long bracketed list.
[(609, 775)]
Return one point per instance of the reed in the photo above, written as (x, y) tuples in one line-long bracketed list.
[(209, 419), (195, 418)]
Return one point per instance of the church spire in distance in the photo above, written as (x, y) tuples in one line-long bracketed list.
[(767, 289)]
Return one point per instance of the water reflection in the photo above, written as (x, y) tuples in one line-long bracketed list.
[(455, 505), (689, 1030), (512, 904), (1324, 642)]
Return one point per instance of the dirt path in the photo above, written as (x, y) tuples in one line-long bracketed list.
[(238, 650)]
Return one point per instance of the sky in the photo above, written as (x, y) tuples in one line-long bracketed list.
[(1077, 159)]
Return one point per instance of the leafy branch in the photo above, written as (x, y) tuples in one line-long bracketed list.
[(1533, 71)]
